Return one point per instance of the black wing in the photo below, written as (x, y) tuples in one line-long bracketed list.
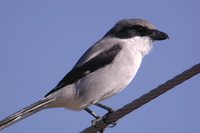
[(92, 65)]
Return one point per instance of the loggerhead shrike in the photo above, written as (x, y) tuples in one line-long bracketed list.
[(104, 70)]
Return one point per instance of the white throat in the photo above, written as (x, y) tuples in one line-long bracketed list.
[(143, 45)]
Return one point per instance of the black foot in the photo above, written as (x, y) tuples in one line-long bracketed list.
[(94, 125), (111, 124), (110, 110), (104, 118)]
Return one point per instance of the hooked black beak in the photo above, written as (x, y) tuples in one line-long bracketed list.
[(158, 35)]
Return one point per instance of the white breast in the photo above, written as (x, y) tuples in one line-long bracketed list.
[(127, 63), (109, 80)]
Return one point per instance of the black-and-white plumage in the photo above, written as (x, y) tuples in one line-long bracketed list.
[(79, 71), (105, 69)]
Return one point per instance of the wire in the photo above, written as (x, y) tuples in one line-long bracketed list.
[(128, 108)]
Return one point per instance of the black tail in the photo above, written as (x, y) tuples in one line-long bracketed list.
[(25, 112)]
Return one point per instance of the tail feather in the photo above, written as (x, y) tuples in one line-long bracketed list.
[(25, 112)]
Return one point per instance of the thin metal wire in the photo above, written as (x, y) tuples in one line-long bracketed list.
[(113, 117)]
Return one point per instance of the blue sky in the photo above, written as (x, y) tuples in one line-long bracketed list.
[(41, 40)]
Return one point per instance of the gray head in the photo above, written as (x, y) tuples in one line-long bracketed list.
[(128, 28)]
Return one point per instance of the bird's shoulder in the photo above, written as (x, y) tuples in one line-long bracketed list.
[(97, 56)]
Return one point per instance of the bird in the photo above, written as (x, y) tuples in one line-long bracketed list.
[(104, 70)]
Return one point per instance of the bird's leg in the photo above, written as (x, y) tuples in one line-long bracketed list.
[(110, 110), (96, 119), (92, 113)]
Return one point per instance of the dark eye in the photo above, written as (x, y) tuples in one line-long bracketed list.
[(139, 28)]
